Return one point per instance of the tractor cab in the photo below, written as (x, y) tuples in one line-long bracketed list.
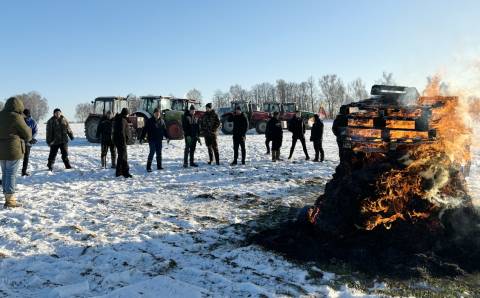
[(101, 105), (271, 107), (182, 104), (150, 103)]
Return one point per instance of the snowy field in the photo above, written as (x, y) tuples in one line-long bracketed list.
[(172, 233)]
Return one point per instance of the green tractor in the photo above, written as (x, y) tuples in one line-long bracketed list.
[(149, 104), (101, 105), (173, 116)]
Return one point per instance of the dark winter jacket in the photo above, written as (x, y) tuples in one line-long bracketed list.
[(33, 126), (297, 127), (105, 131), (274, 127), (13, 131), (58, 131), (317, 131), (268, 129), (190, 125), (240, 125), (210, 123), (155, 130), (121, 131)]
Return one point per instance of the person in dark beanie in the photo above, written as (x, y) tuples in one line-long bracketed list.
[(121, 137), (155, 131), (28, 145), (276, 135), (58, 134), (209, 128), (297, 127), (14, 132), (191, 131), (316, 137), (240, 128), (105, 134)]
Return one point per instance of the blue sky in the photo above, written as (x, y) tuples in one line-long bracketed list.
[(72, 51)]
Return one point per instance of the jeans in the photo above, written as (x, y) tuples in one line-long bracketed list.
[(9, 173), (238, 141), (190, 146), (155, 149)]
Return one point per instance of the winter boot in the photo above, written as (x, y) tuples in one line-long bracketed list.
[(159, 162), (104, 162), (50, 166), (25, 173), (291, 153), (66, 162), (274, 156), (192, 164), (217, 158), (233, 163), (210, 156), (149, 166), (11, 201), (278, 156)]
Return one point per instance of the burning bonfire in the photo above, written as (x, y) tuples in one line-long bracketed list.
[(398, 198), (410, 153)]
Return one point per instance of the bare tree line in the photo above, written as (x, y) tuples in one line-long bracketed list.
[(35, 102), (328, 92)]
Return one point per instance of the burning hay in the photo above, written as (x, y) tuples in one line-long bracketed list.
[(399, 192)]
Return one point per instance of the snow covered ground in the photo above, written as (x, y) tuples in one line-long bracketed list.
[(172, 233)]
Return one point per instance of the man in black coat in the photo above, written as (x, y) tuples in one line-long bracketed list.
[(105, 134), (209, 127), (121, 137), (268, 137), (191, 131), (274, 126), (155, 131), (316, 137), (297, 127), (240, 128)]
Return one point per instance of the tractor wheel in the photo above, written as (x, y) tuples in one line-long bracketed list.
[(91, 125), (261, 127), (174, 130), (227, 127)]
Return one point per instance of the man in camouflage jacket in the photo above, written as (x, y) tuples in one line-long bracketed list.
[(209, 128), (58, 135)]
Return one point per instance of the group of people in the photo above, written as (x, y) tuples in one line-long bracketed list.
[(18, 132), (296, 125)]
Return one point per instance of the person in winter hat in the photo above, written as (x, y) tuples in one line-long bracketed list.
[(297, 127), (209, 128), (28, 145), (316, 137), (191, 131), (274, 126), (58, 135), (240, 128), (121, 137), (155, 131), (14, 132), (105, 134)]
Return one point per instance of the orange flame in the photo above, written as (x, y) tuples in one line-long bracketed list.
[(396, 189)]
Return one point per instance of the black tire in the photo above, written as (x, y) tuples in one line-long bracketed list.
[(91, 125), (227, 127), (261, 127)]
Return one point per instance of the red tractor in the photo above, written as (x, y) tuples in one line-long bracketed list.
[(256, 119)]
